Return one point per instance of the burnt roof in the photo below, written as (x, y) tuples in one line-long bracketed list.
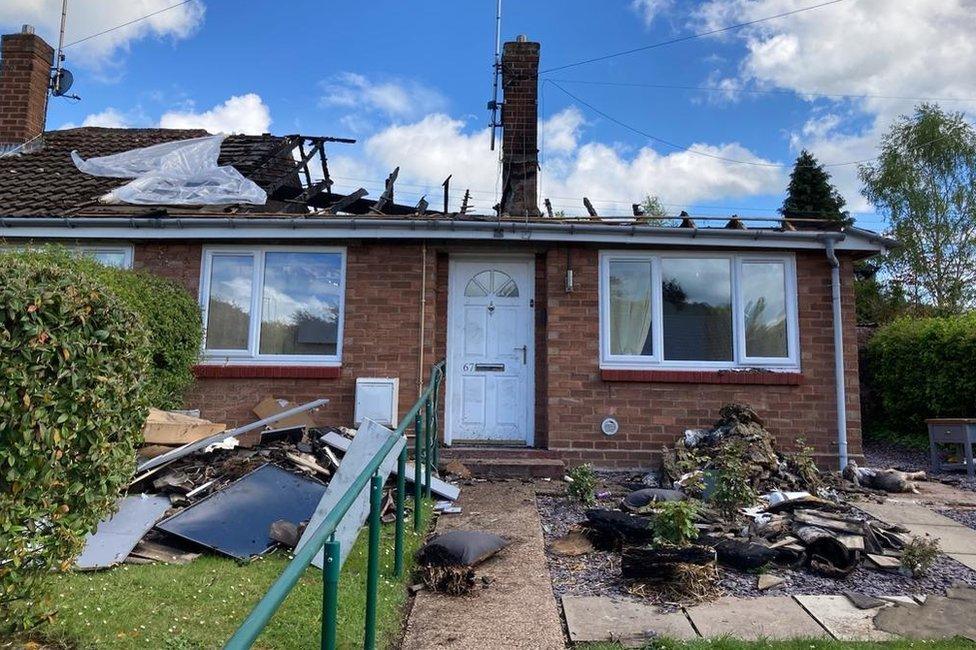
[(43, 180)]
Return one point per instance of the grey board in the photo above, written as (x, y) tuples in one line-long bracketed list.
[(117, 535), (437, 486), (369, 439), (235, 521)]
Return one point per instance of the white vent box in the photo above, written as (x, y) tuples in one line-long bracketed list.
[(377, 399)]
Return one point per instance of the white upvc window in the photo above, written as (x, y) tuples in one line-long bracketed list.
[(117, 255), (698, 310), (273, 304)]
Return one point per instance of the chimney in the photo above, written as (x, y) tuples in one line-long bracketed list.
[(25, 73), (520, 128)]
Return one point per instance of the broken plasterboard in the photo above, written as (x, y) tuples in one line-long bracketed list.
[(369, 439), (270, 406), (117, 535), (437, 486), (168, 428), (235, 521)]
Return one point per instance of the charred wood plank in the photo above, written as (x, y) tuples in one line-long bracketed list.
[(744, 555), (658, 563), (611, 529)]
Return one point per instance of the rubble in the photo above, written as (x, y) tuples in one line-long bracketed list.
[(202, 486)]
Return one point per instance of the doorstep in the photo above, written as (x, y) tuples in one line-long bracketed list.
[(507, 462)]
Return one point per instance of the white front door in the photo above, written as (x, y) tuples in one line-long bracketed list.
[(490, 350)]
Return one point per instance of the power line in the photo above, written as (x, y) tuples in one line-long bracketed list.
[(689, 37), (131, 22), (750, 91), (708, 155)]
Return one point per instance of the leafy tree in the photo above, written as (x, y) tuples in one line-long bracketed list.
[(924, 181), (653, 207), (810, 194)]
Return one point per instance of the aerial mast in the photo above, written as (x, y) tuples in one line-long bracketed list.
[(493, 104)]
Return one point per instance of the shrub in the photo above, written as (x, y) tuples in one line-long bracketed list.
[(174, 324), (170, 316), (920, 368), (674, 523), (919, 555), (732, 489), (73, 360), (582, 485)]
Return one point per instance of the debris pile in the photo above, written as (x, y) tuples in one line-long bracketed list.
[(753, 508), (241, 492)]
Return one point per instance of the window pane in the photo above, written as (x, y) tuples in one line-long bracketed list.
[(764, 298), (300, 305), (106, 257), (229, 305), (697, 296), (630, 308)]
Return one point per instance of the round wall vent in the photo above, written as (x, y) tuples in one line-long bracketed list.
[(609, 426)]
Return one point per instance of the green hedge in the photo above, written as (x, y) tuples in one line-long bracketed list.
[(169, 314), (174, 323), (920, 368), (74, 361)]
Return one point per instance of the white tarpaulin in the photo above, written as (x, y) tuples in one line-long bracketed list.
[(184, 172)]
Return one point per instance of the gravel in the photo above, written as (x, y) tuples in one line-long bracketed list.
[(598, 573), (888, 454), (964, 517)]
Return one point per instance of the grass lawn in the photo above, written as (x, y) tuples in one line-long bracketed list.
[(798, 644), (199, 605)]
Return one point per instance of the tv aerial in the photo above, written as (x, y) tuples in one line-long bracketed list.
[(494, 104), (61, 77)]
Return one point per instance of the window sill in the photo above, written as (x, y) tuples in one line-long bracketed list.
[(750, 377), (241, 371)]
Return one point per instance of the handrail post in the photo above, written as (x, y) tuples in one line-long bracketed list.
[(373, 560), (330, 594), (428, 456), (401, 488), (418, 459)]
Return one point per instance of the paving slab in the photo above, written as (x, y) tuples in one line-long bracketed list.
[(906, 513), (772, 617), (630, 623), (843, 620), (939, 617), (967, 559), (518, 609), (952, 539)]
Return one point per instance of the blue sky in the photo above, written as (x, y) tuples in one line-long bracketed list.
[(410, 81)]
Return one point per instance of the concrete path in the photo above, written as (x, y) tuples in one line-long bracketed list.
[(955, 540), (634, 623), (518, 609)]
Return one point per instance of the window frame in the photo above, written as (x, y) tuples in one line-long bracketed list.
[(88, 249), (739, 361), (75, 247), (252, 355)]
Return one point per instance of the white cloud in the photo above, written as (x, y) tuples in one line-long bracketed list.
[(87, 18), (867, 47), (560, 133), (430, 149), (239, 114), (394, 98), (650, 9), (110, 118)]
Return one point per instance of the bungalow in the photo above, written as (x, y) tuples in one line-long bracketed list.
[(587, 339)]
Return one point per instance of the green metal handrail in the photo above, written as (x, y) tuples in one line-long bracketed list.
[(425, 452)]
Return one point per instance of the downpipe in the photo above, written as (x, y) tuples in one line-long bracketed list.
[(839, 380)]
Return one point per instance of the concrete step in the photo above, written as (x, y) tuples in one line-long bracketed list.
[(514, 467)]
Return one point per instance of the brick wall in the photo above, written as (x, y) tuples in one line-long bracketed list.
[(520, 126), (25, 66), (652, 414), (382, 338)]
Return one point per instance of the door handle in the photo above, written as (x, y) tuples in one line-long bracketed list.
[(525, 354)]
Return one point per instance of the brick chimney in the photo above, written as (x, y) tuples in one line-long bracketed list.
[(520, 128), (25, 72)]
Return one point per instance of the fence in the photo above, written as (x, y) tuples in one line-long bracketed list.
[(423, 416)]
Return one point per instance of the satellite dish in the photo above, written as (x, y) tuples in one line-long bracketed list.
[(62, 81)]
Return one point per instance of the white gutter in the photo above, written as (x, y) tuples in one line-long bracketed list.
[(311, 227), (841, 392)]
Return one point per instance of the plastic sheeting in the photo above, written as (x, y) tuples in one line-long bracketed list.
[(184, 172)]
